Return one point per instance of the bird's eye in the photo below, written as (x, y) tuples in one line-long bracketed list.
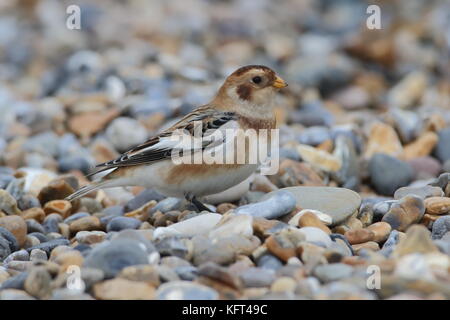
[(256, 79)]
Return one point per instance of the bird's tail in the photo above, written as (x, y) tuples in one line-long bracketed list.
[(86, 189)]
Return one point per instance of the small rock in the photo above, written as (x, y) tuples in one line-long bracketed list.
[(17, 226), (257, 277), (34, 213), (316, 235), (15, 294), (61, 207), (10, 238), (407, 211), (283, 284), (417, 240), (333, 272), (8, 204), (37, 283), (90, 237), (141, 273), (48, 246), (271, 207), (232, 224), (442, 150), (112, 257), (357, 236), (125, 133), (421, 147), (38, 255), (384, 140), (122, 223), (388, 173), (309, 219), (319, 158), (324, 218), (422, 192), (381, 231), (122, 289), (437, 205), (440, 227), (185, 290), (190, 227), (85, 224), (370, 245)]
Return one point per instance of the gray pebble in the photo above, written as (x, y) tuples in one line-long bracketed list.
[(122, 223), (279, 204), (387, 173)]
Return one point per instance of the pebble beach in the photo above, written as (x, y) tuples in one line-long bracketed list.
[(359, 208)]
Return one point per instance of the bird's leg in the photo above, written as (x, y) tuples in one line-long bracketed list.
[(200, 206)]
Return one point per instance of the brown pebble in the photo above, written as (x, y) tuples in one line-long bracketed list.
[(56, 190), (225, 207), (69, 258), (34, 213), (61, 207), (280, 247), (309, 219), (142, 273), (407, 211), (381, 231), (359, 236), (437, 205), (122, 289), (85, 224), (417, 240), (370, 245), (17, 226)]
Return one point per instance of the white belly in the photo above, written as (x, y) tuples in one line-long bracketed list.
[(155, 176)]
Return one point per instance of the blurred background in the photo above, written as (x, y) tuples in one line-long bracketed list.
[(72, 98)]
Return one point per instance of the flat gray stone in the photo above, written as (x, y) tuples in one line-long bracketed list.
[(339, 203)]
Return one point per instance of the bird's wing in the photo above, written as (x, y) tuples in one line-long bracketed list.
[(195, 132)]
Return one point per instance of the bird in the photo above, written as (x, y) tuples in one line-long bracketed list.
[(244, 101)]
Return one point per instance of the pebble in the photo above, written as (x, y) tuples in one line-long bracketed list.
[(316, 235), (191, 227), (172, 246), (338, 203), (21, 255), (37, 283), (85, 224), (185, 290), (417, 240), (34, 213), (122, 289), (15, 294), (257, 277), (232, 224), (7, 203), (10, 238), (38, 255), (440, 227), (90, 237), (319, 158), (141, 273), (422, 192), (381, 231), (324, 218), (405, 212), (442, 150), (125, 133), (48, 246), (357, 236), (273, 205), (17, 226), (437, 205), (421, 147), (309, 219), (112, 257), (387, 173), (61, 207), (333, 272), (122, 223), (383, 140)]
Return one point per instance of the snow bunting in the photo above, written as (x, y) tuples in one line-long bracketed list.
[(245, 101)]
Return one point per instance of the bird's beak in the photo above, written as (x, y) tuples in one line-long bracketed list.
[(279, 83)]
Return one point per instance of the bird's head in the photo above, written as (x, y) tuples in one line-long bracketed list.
[(251, 87)]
